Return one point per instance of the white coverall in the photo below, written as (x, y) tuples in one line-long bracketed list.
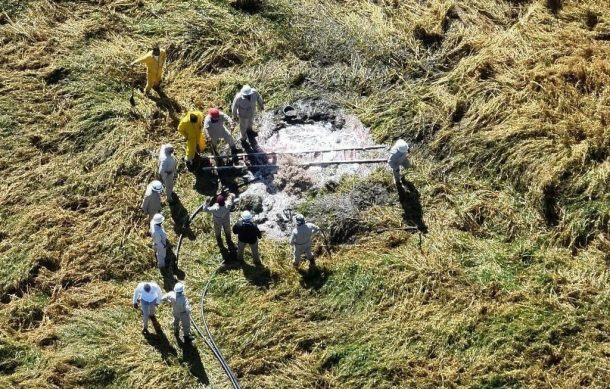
[(216, 130), (221, 215), (152, 202), (167, 170), (148, 301), (397, 160), (301, 240), (245, 108), (159, 238), (181, 309)]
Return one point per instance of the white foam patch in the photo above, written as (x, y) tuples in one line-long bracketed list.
[(303, 137)]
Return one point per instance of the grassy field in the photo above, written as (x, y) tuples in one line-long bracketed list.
[(506, 100)]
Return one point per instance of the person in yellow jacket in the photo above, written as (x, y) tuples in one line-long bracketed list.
[(154, 61), (190, 127)]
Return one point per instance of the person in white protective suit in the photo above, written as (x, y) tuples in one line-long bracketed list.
[(244, 107), (159, 238), (151, 204), (147, 295), (221, 216), (167, 169), (214, 125), (399, 154), (301, 240), (181, 310)]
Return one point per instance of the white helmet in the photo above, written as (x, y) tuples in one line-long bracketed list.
[(158, 218), (246, 215), (148, 293), (246, 90), (179, 287), (156, 186), (299, 218), (401, 146)]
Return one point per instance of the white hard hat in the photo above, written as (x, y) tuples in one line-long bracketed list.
[(158, 218), (401, 146), (148, 296), (179, 287), (156, 186), (246, 90), (299, 218), (246, 215)]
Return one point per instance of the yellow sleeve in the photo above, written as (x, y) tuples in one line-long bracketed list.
[(143, 58), (201, 143), (182, 128)]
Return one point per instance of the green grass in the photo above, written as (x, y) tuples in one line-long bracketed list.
[(511, 163)]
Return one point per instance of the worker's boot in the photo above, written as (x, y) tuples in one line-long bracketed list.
[(312, 264), (234, 152), (245, 145)]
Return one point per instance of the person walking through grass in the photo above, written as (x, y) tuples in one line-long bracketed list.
[(154, 61), (181, 310), (167, 169), (147, 295), (159, 238), (151, 204), (244, 107), (247, 234), (221, 217)]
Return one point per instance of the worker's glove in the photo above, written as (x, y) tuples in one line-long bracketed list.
[(135, 306)]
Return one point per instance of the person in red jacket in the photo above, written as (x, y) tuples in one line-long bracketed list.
[(247, 233)]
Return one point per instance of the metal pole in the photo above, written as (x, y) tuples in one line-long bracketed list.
[(304, 164), (299, 152)]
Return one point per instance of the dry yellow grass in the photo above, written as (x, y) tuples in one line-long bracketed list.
[(508, 103)]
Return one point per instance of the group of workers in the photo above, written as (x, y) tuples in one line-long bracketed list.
[(196, 129)]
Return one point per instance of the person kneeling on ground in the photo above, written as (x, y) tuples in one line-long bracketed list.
[(181, 309), (399, 158), (221, 215), (159, 238), (301, 241), (147, 294), (247, 233)]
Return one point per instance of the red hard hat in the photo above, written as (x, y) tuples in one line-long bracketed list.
[(220, 200), (214, 112)]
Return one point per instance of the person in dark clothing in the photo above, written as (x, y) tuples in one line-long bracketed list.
[(247, 233)]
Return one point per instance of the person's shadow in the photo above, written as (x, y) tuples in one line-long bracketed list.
[(171, 269), (410, 202), (314, 278), (257, 159), (190, 356), (180, 216), (166, 103), (159, 341), (206, 181), (259, 276)]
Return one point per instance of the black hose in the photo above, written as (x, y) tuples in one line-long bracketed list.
[(207, 338)]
